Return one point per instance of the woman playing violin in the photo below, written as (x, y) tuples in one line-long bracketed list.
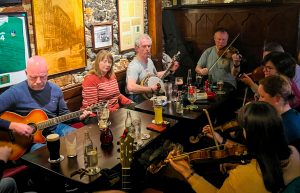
[(278, 63), (210, 63), (275, 164)]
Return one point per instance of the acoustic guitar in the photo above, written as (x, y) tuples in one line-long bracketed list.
[(126, 151), (38, 120)]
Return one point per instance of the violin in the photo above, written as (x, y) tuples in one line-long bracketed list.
[(221, 54), (227, 52), (256, 75), (209, 153), (230, 125), (214, 152)]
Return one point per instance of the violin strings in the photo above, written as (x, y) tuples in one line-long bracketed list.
[(183, 155)]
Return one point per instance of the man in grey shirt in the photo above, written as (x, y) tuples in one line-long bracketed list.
[(225, 69), (141, 67)]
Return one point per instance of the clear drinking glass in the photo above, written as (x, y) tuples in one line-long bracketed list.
[(138, 129), (103, 116), (220, 85), (92, 162), (192, 97), (198, 80), (158, 118), (70, 142), (179, 82)]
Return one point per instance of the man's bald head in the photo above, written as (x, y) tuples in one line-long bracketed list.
[(36, 62), (37, 72)]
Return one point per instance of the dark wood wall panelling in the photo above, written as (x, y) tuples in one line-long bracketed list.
[(255, 23)]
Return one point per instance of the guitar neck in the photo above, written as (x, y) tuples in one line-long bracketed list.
[(169, 67), (126, 181), (59, 119), (167, 71)]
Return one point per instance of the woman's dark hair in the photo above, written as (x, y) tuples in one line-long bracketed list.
[(284, 63), (266, 141)]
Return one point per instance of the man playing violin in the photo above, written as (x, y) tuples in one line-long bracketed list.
[(225, 68), (141, 67)]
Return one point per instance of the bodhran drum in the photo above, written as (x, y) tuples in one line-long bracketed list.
[(150, 81)]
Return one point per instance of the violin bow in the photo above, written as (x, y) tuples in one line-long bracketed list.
[(211, 129), (224, 51), (245, 96)]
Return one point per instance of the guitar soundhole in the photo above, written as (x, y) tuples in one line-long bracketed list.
[(33, 126)]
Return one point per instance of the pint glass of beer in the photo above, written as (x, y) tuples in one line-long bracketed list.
[(158, 118), (53, 145)]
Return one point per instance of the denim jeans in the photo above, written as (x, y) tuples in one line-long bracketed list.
[(137, 98), (61, 129)]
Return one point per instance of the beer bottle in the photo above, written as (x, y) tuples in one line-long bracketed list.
[(88, 145)]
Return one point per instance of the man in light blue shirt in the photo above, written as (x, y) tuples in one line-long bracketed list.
[(225, 69)]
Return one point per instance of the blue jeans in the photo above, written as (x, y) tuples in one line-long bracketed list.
[(61, 129), (8, 185), (137, 98)]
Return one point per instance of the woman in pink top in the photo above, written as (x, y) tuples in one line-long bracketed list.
[(101, 85)]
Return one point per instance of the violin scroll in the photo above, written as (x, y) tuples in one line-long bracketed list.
[(256, 75)]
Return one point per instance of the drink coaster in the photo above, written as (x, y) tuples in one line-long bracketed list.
[(164, 122), (61, 157), (145, 136)]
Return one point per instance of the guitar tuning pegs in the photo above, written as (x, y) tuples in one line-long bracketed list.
[(118, 142), (118, 150)]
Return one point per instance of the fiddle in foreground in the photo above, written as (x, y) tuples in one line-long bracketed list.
[(268, 171)]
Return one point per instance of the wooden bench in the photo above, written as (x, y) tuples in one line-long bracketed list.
[(73, 94), (73, 97)]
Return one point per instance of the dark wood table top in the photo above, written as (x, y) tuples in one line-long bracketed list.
[(169, 110), (107, 157)]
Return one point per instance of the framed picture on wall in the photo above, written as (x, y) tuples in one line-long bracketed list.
[(8, 2), (14, 48), (131, 22), (59, 34), (102, 35)]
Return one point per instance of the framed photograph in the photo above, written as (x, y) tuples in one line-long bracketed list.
[(14, 48), (59, 34), (9, 2), (131, 22), (102, 35)]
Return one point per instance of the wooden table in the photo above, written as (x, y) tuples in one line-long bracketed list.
[(169, 110), (107, 157)]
